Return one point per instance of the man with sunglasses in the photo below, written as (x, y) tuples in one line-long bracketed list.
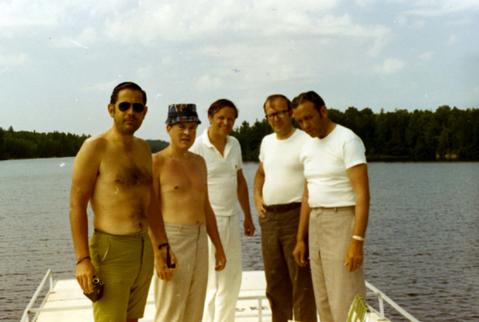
[(278, 189), (113, 172)]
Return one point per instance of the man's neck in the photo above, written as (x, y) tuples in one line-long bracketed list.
[(216, 138), (286, 134), (329, 128), (218, 141), (125, 138), (176, 152)]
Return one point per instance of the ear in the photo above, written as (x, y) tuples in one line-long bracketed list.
[(111, 109), (323, 111), (145, 111), (210, 118)]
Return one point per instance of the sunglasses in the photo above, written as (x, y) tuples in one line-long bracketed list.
[(137, 107)]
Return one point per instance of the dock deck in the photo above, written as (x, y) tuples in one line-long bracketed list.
[(63, 301)]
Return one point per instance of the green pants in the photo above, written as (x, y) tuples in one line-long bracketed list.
[(125, 264)]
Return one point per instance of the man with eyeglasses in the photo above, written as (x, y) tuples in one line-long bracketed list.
[(113, 172), (278, 189)]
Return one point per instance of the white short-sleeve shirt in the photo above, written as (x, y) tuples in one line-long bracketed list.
[(222, 173), (325, 163), (284, 180)]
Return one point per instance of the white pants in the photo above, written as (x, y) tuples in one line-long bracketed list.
[(224, 286)]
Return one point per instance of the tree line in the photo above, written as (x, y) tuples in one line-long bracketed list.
[(29, 145), (26, 144), (422, 135)]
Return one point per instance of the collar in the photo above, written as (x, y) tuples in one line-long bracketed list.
[(206, 140)]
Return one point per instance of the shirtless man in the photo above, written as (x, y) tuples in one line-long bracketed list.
[(113, 172), (180, 184)]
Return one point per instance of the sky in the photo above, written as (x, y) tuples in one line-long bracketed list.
[(59, 60)]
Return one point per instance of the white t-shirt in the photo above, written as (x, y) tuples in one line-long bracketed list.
[(222, 173), (284, 180), (325, 162)]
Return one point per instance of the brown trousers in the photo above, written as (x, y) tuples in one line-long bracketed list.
[(289, 288)]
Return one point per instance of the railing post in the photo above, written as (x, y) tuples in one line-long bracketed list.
[(381, 306), (260, 310)]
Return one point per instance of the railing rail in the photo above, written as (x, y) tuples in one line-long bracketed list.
[(384, 298), (257, 295), (29, 309)]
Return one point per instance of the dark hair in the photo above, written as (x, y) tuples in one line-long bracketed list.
[(126, 85), (219, 104), (275, 97), (310, 96)]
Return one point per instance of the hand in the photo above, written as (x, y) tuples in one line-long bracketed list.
[(354, 257), (220, 261), (84, 275), (249, 228), (162, 270), (299, 254), (260, 209)]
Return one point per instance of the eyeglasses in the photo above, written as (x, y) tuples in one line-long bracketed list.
[(271, 116), (137, 107)]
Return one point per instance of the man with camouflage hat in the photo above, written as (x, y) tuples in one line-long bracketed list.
[(179, 180)]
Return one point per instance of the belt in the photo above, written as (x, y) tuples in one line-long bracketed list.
[(334, 208), (283, 207)]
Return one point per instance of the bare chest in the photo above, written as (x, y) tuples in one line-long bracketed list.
[(126, 172), (181, 177)]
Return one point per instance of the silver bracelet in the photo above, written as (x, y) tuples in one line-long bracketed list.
[(358, 238)]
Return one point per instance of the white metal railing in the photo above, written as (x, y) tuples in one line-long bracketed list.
[(384, 298), (29, 309), (257, 295)]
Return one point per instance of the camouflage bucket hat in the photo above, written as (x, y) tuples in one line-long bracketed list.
[(182, 113)]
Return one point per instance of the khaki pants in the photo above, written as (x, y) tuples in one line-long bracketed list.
[(182, 298), (330, 231)]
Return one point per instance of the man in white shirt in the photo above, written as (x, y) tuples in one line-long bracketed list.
[(278, 189), (227, 189), (335, 206)]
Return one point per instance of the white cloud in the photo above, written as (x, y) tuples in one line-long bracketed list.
[(12, 60), (88, 36), (389, 66), (208, 82), (451, 40), (428, 8), (24, 13), (364, 3), (426, 56), (158, 21)]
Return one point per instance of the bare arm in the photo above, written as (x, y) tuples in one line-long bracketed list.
[(299, 252), (258, 190), (157, 228), (85, 171), (358, 175), (243, 198)]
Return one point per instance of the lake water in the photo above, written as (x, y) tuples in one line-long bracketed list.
[(422, 245)]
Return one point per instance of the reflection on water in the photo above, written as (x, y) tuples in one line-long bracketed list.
[(422, 244)]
